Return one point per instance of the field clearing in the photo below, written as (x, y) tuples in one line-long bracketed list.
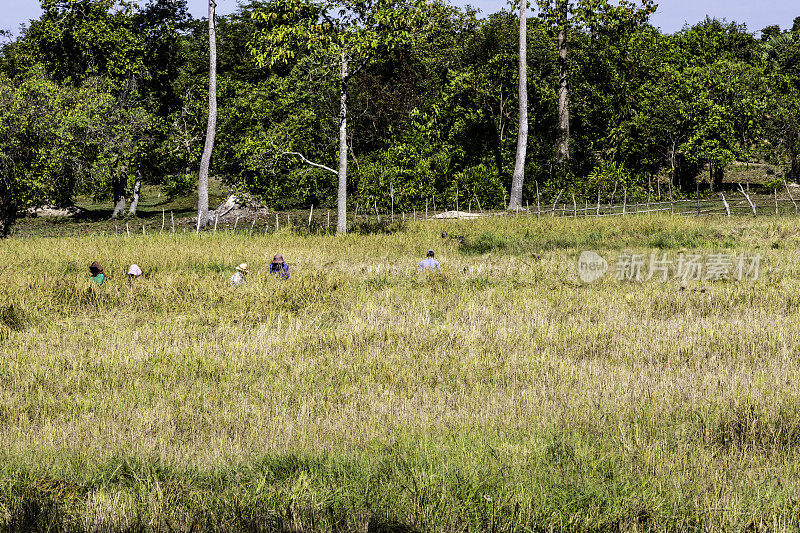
[(499, 394)]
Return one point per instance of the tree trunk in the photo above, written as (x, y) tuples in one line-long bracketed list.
[(8, 210), (118, 185), (515, 201), (137, 187), (341, 213), (717, 176), (794, 160), (211, 128), (562, 154)]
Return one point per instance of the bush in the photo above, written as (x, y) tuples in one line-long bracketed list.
[(178, 185), (12, 318), (610, 175), (479, 182)]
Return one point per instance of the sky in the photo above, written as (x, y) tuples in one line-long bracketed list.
[(670, 17)]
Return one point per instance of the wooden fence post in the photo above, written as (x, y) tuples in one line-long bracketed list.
[(725, 203), (163, 220), (775, 191), (310, 213), (538, 204), (790, 197), (611, 202), (697, 194), (553, 212), (749, 201), (625, 202), (671, 199), (597, 213)]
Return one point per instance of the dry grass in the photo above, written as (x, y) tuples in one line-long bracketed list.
[(359, 394)]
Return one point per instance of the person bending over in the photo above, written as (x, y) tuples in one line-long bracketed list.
[(240, 276), (279, 268), (96, 270)]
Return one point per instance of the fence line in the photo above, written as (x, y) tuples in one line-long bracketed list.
[(740, 204)]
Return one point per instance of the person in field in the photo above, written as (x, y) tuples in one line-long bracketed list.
[(96, 270), (279, 268), (240, 276), (429, 263), (134, 271)]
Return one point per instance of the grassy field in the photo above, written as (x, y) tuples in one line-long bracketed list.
[(500, 394)]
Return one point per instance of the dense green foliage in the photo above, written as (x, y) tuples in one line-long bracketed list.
[(431, 115)]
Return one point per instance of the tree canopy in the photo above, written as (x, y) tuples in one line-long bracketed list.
[(96, 92)]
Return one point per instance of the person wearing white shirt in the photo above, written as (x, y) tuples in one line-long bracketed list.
[(240, 276)]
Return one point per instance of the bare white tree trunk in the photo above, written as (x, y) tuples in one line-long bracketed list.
[(137, 187), (211, 128), (119, 207), (118, 186), (515, 202), (562, 155), (341, 213)]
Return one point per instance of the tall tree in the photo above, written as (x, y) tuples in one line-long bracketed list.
[(593, 17), (562, 151), (341, 38), (522, 133), (211, 128)]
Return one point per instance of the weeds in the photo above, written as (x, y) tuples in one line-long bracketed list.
[(12, 318)]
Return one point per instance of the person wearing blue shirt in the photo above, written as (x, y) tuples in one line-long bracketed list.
[(429, 263), (279, 268)]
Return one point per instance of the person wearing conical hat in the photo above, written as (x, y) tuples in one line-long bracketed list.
[(278, 267), (240, 276)]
